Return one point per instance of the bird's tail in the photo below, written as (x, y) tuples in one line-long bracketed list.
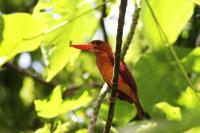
[(140, 112)]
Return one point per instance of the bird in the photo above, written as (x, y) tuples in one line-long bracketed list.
[(127, 89)]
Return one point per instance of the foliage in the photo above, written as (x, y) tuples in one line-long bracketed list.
[(44, 29)]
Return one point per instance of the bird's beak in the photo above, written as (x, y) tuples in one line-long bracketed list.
[(86, 47)]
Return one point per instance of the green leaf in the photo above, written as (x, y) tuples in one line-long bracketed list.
[(161, 81), (193, 130), (76, 30), (45, 129), (120, 117), (172, 17), (190, 119), (171, 112), (16, 27), (60, 56), (196, 1), (192, 61), (189, 99), (56, 106)]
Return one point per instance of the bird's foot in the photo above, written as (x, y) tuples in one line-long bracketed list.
[(112, 99)]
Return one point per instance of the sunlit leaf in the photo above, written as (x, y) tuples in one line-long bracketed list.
[(189, 120), (196, 1), (189, 99), (61, 55), (192, 61), (171, 112), (172, 17), (75, 30), (82, 131), (17, 27), (193, 130), (61, 128), (56, 106), (45, 129), (27, 91)]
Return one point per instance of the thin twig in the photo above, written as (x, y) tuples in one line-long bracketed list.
[(97, 107), (122, 11), (29, 74), (69, 92), (103, 15), (165, 39), (73, 88), (104, 90), (65, 22), (132, 29)]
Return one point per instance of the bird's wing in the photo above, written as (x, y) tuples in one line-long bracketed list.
[(125, 74)]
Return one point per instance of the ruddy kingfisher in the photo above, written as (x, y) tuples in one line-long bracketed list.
[(127, 89)]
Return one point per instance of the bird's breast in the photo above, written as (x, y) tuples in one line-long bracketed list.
[(105, 67)]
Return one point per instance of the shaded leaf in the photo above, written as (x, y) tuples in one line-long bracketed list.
[(120, 117)]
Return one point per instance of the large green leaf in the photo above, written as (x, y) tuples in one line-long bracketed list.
[(73, 29), (56, 106), (160, 81), (172, 17), (17, 27)]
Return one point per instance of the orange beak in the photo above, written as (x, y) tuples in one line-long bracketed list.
[(86, 47)]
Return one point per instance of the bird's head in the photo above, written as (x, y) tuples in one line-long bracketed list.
[(95, 46)]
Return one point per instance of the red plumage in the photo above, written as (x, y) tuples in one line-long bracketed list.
[(127, 89)]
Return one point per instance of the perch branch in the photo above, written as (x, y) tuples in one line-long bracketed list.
[(122, 11)]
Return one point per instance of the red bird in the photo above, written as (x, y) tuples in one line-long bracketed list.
[(127, 89)]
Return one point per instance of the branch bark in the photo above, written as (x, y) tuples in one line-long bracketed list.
[(132, 29), (103, 15), (122, 11), (28, 73), (97, 107)]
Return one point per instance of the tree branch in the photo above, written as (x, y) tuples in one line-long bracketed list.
[(28, 73), (122, 11), (73, 88), (97, 107), (69, 92), (103, 15), (132, 29)]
